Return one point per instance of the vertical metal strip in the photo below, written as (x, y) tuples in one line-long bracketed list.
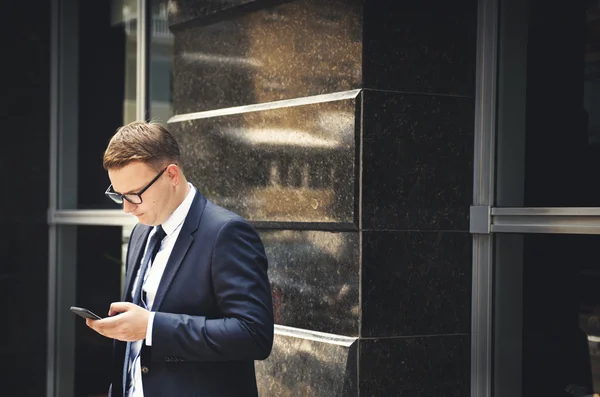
[(53, 179), (485, 103), (483, 195), (141, 103), (481, 316), (63, 194)]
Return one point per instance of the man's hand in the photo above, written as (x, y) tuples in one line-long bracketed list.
[(127, 322)]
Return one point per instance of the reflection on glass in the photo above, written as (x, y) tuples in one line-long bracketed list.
[(124, 16), (99, 266), (548, 315), (549, 106), (106, 90), (592, 71), (160, 58), (293, 164)]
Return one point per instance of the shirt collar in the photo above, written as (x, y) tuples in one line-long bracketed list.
[(180, 213)]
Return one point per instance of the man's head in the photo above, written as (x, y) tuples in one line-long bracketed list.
[(144, 167)]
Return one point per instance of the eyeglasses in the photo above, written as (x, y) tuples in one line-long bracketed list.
[(133, 198)]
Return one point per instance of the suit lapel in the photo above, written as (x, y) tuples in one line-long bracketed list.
[(134, 258), (182, 245)]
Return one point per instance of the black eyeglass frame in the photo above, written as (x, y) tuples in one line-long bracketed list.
[(119, 197)]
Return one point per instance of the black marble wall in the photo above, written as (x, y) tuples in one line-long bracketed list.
[(343, 129)]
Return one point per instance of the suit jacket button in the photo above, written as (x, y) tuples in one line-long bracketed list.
[(145, 370)]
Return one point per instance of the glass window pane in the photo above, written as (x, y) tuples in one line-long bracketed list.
[(548, 104), (91, 275), (547, 315), (98, 87), (127, 10), (107, 89), (160, 59)]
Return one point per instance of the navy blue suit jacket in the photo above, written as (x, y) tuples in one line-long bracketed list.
[(214, 311)]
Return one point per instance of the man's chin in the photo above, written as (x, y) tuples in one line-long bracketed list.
[(145, 221), (142, 219)]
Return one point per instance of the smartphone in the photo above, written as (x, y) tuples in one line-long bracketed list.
[(85, 313)]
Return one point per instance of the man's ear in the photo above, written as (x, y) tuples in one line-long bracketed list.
[(173, 173)]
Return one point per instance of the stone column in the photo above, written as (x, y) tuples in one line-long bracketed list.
[(343, 130)]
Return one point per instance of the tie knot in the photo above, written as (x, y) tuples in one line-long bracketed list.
[(159, 233)]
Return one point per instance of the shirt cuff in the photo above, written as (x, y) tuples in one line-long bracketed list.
[(149, 329)]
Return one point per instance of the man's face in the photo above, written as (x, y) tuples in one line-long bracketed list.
[(132, 179)]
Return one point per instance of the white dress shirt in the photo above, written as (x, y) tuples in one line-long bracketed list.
[(172, 227)]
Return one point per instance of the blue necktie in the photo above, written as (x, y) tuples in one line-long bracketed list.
[(152, 250)]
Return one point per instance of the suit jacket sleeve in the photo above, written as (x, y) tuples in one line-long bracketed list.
[(243, 297)]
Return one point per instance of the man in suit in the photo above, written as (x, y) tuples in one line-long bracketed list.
[(197, 308)]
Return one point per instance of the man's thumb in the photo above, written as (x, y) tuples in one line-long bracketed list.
[(118, 307)]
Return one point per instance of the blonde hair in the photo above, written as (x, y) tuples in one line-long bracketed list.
[(148, 142)]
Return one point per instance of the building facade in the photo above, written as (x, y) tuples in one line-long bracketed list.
[(419, 171)]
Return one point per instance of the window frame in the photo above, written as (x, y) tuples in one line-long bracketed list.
[(487, 220), (62, 224)]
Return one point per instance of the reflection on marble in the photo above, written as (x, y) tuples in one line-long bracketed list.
[(297, 49), (416, 283), (416, 367), (301, 367), (292, 164), (314, 278), (185, 10), (420, 46), (417, 161)]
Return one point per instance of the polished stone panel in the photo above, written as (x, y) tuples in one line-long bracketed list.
[(297, 49), (416, 283), (417, 161), (301, 367), (185, 10), (291, 164), (314, 276), (420, 46), (416, 367)]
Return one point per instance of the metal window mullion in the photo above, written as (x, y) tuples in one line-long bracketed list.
[(142, 66), (545, 211), (53, 179), (546, 220), (485, 104), (62, 193), (91, 218), (483, 196)]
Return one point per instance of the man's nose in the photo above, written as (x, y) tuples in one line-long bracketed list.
[(128, 207)]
